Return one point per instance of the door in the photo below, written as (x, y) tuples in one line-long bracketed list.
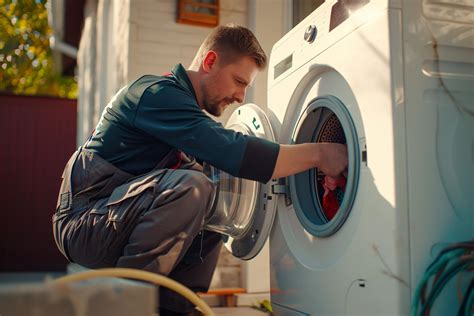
[(243, 210)]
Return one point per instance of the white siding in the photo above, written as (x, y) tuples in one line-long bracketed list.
[(157, 42), (86, 70), (102, 60), (121, 36)]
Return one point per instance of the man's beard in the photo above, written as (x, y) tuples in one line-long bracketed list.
[(212, 108), (211, 105)]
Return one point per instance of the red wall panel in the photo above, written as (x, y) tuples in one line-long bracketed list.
[(37, 136)]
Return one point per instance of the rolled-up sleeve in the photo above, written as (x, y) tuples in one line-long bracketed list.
[(259, 160)]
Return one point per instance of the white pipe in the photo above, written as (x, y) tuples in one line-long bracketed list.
[(63, 47), (55, 20)]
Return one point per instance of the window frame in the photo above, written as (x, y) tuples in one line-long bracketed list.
[(186, 16)]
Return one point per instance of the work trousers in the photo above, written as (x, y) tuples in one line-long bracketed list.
[(108, 218)]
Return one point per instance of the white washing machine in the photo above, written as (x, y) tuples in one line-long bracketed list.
[(394, 80)]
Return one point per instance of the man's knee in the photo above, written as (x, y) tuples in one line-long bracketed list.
[(200, 186)]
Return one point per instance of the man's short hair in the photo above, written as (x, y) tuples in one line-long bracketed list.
[(232, 42)]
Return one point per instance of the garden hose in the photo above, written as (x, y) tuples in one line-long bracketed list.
[(139, 275)]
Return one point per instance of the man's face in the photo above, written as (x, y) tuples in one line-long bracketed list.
[(226, 84)]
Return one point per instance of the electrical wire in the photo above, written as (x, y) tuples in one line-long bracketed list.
[(450, 261), (467, 301), (436, 265), (457, 246), (443, 280), (139, 275)]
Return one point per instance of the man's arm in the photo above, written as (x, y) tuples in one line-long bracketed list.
[(330, 158)]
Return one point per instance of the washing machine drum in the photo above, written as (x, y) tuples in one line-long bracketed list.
[(330, 191), (322, 203), (332, 131)]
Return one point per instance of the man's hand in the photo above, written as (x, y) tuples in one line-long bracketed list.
[(330, 158)]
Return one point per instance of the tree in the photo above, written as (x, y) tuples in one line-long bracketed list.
[(26, 61)]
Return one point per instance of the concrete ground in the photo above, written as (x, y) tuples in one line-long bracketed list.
[(238, 311), (19, 278)]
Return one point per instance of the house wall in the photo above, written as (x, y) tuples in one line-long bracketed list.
[(158, 42), (86, 73), (121, 28)]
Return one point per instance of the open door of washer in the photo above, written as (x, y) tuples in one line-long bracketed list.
[(243, 210)]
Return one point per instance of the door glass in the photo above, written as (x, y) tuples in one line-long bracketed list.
[(235, 200), (243, 210)]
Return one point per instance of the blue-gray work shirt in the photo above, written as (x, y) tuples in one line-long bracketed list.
[(153, 115)]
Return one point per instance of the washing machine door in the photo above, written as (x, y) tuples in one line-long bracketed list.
[(243, 210)]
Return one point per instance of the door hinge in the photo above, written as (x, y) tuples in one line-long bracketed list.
[(281, 187)]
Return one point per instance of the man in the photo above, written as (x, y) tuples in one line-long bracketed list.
[(132, 197)]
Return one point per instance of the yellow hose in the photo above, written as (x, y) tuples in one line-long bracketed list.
[(139, 275)]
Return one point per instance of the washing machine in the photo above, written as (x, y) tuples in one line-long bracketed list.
[(394, 81)]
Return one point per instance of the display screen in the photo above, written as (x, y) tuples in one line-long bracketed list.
[(283, 66), (343, 9)]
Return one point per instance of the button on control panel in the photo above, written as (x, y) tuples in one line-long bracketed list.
[(310, 33)]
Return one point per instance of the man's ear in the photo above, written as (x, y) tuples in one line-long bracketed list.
[(209, 61)]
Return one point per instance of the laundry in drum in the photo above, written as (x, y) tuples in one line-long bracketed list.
[(333, 194), (332, 189)]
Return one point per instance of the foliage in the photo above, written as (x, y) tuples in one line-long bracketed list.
[(26, 60)]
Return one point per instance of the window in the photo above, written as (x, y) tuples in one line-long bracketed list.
[(198, 12)]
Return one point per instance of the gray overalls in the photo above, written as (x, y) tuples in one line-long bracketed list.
[(108, 218)]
